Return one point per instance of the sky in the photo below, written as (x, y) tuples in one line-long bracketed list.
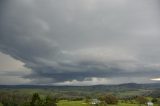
[(79, 42)]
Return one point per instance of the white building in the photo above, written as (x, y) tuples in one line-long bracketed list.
[(95, 101), (149, 104)]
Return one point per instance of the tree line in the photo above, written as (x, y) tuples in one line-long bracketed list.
[(14, 99), (23, 100)]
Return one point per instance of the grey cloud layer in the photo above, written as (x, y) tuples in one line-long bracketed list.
[(73, 40)]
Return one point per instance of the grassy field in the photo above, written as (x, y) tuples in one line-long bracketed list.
[(1, 104), (72, 103), (81, 103)]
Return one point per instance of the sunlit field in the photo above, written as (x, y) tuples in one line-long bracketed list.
[(82, 103), (71, 103)]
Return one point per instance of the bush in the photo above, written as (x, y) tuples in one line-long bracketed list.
[(109, 99), (154, 100), (141, 100)]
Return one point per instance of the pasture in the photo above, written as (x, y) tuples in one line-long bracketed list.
[(81, 103)]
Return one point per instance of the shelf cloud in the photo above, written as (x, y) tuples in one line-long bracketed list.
[(80, 42)]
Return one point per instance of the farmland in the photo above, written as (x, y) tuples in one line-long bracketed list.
[(82, 103), (110, 95)]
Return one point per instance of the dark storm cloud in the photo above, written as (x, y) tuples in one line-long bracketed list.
[(74, 40)]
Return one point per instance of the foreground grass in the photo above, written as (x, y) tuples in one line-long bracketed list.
[(128, 104), (71, 103), (81, 103), (1, 104)]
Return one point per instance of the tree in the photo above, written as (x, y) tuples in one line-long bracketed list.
[(50, 101), (36, 101), (154, 100), (87, 99), (109, 99), (141, 100)]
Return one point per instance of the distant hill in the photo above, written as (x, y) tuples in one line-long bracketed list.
[(121, 90), (93, 87)]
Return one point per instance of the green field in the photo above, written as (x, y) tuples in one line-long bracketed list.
[(72, 103), (1, 104), (126, 94), (81, 103)]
